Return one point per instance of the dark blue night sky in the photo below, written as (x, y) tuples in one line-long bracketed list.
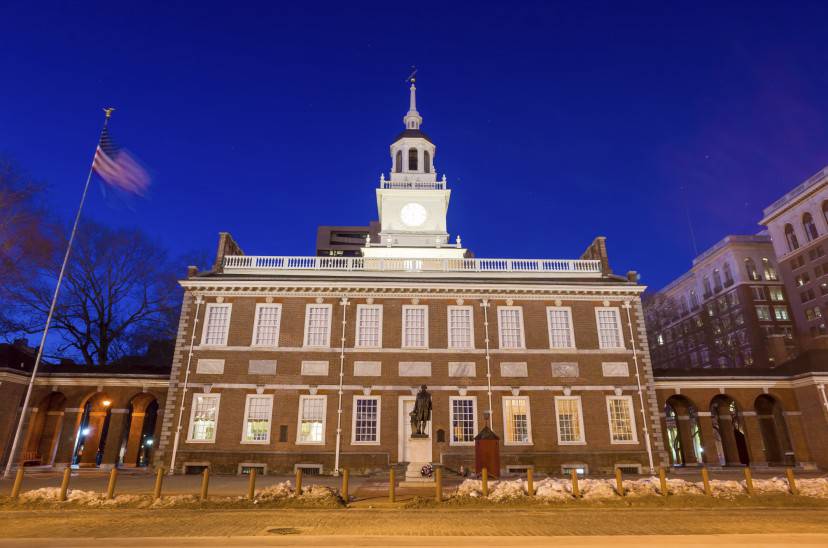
[(553, 122)]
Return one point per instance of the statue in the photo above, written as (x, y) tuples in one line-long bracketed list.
[(421, 413)]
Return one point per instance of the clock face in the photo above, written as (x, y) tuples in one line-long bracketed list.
[(413, 214)]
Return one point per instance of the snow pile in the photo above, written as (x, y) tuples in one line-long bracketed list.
[(316, 494), (83, 498), (643, 487), (503, 491), (592, 489), (470, 488), (726, 489), (773, 485), (813, 487), (279, 491), (553, 489)]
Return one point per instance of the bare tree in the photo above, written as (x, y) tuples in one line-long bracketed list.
[(119, 292)]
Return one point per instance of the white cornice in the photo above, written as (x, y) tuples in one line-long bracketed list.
[(755, 382), (480, 351)]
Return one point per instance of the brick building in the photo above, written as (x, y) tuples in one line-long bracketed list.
[(314, 361), (730, 310)]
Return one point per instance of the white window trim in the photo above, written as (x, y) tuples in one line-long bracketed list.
[(302, 398), (451, 420), (307, 322), (217, 396), (571, 326), (358, 330), (245, 417), (259, 306), (425, 323), (207, 309), (528, 420), (633, 426), (471, 326), (620, 330), (353, 420), (582, 441), (522, 344)]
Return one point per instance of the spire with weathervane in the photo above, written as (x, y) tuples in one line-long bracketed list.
[(412, 118)]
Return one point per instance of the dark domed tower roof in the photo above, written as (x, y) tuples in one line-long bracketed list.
[(413, 134)]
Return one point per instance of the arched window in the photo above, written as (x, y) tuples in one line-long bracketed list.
[(752, 273), (810, 227), (412, 159), (790, 236), (728, 274), (398, 162), (825, 211), (717, 279), (426, 162)]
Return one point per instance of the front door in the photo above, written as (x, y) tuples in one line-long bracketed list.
[(406, 406)]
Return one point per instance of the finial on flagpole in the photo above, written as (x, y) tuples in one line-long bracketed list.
[(109, 111)]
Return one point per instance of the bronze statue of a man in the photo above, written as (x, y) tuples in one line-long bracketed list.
[(421, 414)]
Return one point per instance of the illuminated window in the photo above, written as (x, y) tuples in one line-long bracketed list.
[(463, 420), (770, 271), (257, 413), (204, 418), (570, 420), (621, 419), (752, 273), (517, 423), (311, 428)]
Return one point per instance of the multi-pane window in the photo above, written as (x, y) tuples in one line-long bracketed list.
[(204, 417), (216, 324), (516, 421), (318, 325), (570, 420), (781, 313), (463, 420), (609, 328), (460, 331), (415, 326), (366, 419), (621, 419), (266, 325), (369, 326), (758, 292), (560, 327), (770, 271), (311, 419), (510, 326), (763, 313), (257, 414)]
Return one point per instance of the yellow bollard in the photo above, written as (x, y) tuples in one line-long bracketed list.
[(110, 489), (576, 491), (662, 481), (438, 484), (298, 482), (791, 481), (484, 477), (392, 496), (18, 483), (748, 481), (159, 480), (205, 483), (64, 485), (251, 484), (530, 482), (619, 482), (345, 478), (706, 481)]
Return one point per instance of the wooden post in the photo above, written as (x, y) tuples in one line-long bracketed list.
[(662, 481), (159, 480), (706, 481), (530, 483), (345, 477), (576, 491), (619, 482), (791, 481), (251, 484), (110, 489), (484, 477), (298, 482), (64, 484), (391, 486), (438, 484), (748, 481), (18, 482), (205, 483)]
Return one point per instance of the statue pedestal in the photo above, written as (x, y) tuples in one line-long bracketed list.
[(419, 454)]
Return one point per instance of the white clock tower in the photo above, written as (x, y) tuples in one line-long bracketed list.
[(413, 204)]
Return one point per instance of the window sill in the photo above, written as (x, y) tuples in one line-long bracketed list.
[(518, 443), (461, 444), (571, 442), (249, 442), (365, 442), (201, 441), (633, 442)]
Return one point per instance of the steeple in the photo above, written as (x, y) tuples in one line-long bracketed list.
[(413, 119)]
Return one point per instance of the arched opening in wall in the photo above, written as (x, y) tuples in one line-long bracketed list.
[(412, 159), (138, 441), (728, 432), (683, 431), (790, 238), (426, 162), (825, 211), (775, 440), (90, 438), (750, 268), (810, 228), (398, 165), (43, 434)]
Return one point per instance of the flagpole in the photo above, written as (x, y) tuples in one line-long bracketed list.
[(10, 461)]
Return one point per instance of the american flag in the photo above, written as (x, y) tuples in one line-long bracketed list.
[(118, 168)]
